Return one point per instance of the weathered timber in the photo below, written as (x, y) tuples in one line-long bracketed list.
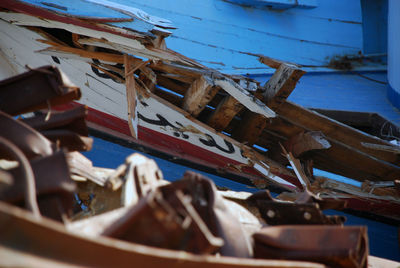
[(113, 76), (199, 94), (224, 113), (131, 95), (276, 90), (305, 119), (273, 63), (387, 148), (281, 84), (244, 97), (297, 167), (307, 141), (148, 77), (250, 128), (342, 158), (371, 123), (64, 51), (177, 86), (175, 77)]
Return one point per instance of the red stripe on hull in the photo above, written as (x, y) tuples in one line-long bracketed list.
[(195, 154)]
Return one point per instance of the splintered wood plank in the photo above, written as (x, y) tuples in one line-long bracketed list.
[(131, 94), (281, 84), (70, 52), (307, 141), (332, 129), (298, 169), (346, 156), (244, 97), (276, 90), (274, 63), (199, 94), (224, 113), (250, 128), (148, 77), (175, 85)]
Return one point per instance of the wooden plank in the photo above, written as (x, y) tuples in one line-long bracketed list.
[(172, 84), (281, 84), (276, 90), (307, 141), (250, 128), (148, 77), (387, 148), (344, 157), (224, 113), (199, 94), (274, 63), (298, 169), (103, 56), (333, 130), (244, 97), (131, 94)]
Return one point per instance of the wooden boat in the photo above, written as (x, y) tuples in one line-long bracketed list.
[(139, 90)]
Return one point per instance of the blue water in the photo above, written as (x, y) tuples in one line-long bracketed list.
[(382, 237)]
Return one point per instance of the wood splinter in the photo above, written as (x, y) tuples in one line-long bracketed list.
[(131, 94)]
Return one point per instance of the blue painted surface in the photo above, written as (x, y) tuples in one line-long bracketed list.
[(109, 155), (393, 96), (84, 9), (382, 237), (394, 52), (374, 26), (221, 35), (344, 91), (278, 4), (225, 35)]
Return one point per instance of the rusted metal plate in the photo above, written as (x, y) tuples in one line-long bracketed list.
[(38, 88), (23, 236), (334, 246)]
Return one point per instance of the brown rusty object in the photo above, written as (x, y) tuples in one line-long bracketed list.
[(73, 120), (39, 88), (26, 175), (68, 139), (52, 181), (332, 245), (210, 206), (305, 210), (29, 141), (306, 141), (166, 222), (44, 243)]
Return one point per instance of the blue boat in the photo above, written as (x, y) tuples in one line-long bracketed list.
[(347, 48)]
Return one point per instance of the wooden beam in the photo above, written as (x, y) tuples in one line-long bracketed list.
[(307, 141), (281, 84), (131, 94), (298, 169), (347, 156), (103, 56), (387, 148), (244, 97), (199, 94), (276, 90), (172, 84), (224, 113), (250, 128), (148, 77), (274, 63)]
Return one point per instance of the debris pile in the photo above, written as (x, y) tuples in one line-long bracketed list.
[(186, 222), (142, 92)]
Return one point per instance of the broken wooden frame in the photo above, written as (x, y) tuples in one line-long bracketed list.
[(232, 105)]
